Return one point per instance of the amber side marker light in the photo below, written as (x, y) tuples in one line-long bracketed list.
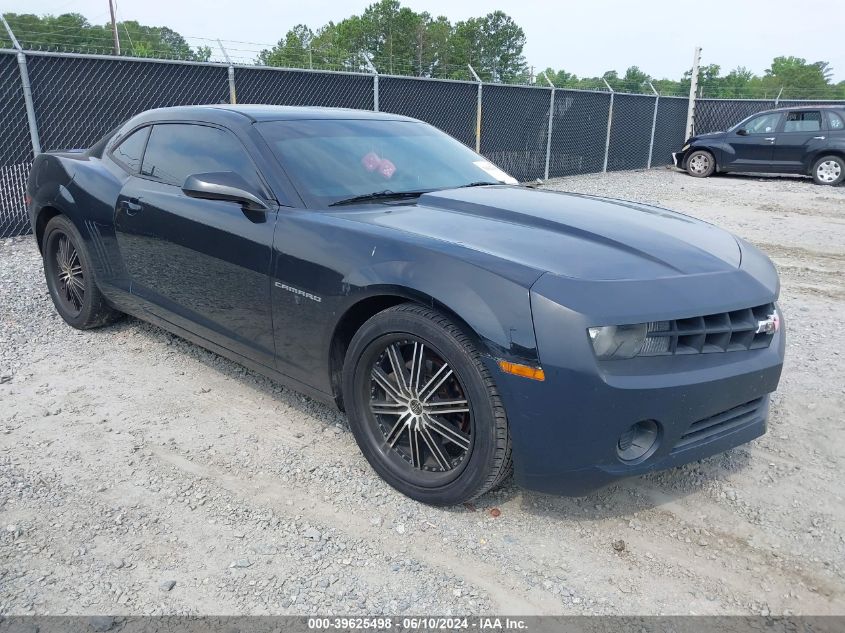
[(534, 373)]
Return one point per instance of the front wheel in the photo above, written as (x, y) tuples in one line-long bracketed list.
[(829, 170), (701, 164), (423, 407)]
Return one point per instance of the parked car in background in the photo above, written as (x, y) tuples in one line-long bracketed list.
[(465, 324), (809, 140)]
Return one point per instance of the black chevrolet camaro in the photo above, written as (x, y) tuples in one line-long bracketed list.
[(468, 326)]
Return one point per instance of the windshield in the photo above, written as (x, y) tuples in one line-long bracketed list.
[(333, 160)]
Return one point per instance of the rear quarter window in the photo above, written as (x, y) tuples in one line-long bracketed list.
[(130, 151), (810, 121)]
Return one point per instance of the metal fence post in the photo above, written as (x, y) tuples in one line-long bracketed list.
[(27, 90), (233, 95), (477, 111), (373, 70), (653, 123), (551, 119), (693, 86), (609, 125), (375, 92)]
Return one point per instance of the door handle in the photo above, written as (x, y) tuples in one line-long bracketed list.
[(769, 138), (818, 138), (131, 206)]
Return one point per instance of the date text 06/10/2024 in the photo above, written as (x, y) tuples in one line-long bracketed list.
[(386, 623)]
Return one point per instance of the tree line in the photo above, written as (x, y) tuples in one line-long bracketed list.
[(787, 77), (72, 32), (398, 40)]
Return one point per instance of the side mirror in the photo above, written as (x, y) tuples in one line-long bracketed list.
[(223, 185), (742, 132)]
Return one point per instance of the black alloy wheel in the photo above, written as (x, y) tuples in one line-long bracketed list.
[(70, 277), (420, 408), (423, 407), (67, 269)]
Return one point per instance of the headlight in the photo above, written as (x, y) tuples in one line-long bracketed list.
[(685, 147), (618, 341)]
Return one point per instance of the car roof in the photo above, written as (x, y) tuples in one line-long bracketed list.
[(259, 112), (824, 106)]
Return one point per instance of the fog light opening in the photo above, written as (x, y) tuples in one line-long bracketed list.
[(638, 442)]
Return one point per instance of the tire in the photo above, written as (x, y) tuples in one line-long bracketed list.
[(70, 277), (435, 453), (829, 170), (701, 164)]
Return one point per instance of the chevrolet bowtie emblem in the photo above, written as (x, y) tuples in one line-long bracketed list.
[(770, 325)]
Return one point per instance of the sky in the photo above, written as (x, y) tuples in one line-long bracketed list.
[(585, 38)]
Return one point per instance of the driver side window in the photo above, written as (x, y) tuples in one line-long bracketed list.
[(178, 150), (763, 124)]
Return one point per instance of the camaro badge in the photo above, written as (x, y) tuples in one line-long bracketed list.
[(770, 325), (301, 293)]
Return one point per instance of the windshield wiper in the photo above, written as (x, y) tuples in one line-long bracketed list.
[(478, 183), (387, 194)]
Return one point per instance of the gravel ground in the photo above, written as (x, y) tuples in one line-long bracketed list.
[(140, 474)]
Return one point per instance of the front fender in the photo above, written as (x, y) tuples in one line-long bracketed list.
[(497, 311), (340, 264), (717, 148)]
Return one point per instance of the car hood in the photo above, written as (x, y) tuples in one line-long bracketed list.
[(706, 136), (566, 234)]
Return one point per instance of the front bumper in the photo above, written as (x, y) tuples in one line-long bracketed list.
[(678, 159), (576, 424), (565, 430)]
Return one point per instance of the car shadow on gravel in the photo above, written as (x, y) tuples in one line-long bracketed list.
[(636, 494), (762, 177), (230, 369)]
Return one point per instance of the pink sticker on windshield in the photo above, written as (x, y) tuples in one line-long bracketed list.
[(386, 168), (371, 161)]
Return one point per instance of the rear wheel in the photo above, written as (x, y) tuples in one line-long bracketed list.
[(70, 278), (829, 170), (424, 408), (701, 164)]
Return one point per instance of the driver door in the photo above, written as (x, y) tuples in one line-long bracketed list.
[(752, 143), (202, 265)]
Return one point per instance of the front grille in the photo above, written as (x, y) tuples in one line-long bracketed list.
[(721, 423), (723, 332)]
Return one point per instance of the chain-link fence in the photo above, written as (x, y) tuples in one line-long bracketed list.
[(514, 127), (79, 100), (579, 132), (530, 131), (629, 147), (304, 88), (670, 126), (447, 105), (15, 149)]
